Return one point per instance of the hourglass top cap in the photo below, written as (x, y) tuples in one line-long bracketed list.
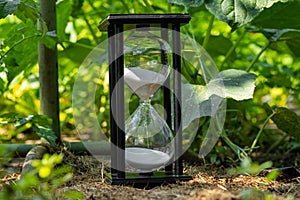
[(144, 19)]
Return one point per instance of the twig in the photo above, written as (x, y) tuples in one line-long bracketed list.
[(260, 131), (125, 6), (237, 150), (149, 6), (208, 31), (233, 47), (90, 28), (257, 56)]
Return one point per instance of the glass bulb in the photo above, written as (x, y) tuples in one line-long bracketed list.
[(149, 140)]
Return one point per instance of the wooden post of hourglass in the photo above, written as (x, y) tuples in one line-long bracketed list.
[(177, 97), (166, 91)]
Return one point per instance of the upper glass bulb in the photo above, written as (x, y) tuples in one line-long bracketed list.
[(146, 63)]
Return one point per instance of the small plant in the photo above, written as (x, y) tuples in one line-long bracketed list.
[(250, 168), (43, 181)]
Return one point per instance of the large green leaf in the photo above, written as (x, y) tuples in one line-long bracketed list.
[(239, 12), (232, 83), (286, 120), (284, 40), (63, 10), (8, 7), (289, 38), (223, 45), (21, 38), (187, 3), (27, 10), (280, 16)]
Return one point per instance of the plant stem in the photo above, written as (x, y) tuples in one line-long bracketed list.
[(208, 31), (94, 8), (90, 28), (232, 49), (125, 6), (169, 8), (149, 6), (237, 150), (260, 132), (257, 56)]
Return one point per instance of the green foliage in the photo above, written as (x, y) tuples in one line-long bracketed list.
[(261, 37), (249, 194), (40, 124), (42, 182), (250, 168)]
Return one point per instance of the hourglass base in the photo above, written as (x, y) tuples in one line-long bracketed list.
[(148, 180)]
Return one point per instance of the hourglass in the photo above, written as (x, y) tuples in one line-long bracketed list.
[(149, 142), (142, 59)]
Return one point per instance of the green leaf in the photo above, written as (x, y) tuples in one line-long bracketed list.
[(8, 7), (10, 117), (46, 133), (223, 45), (239, 12), (42, 120), (63, 10), (73, 194), (283, 40), (27, 10), (22, 38), (22, 121), (232, 83), (280, 16), (2, 86), (286, 120), (187, 3), (290, 38)]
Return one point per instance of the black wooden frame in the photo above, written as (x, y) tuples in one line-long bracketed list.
[(115, 24)]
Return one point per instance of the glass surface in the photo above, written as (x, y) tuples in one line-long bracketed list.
[(149, 140)]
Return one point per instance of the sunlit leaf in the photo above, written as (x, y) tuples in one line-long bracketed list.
[(73, 194), (237, 13), (63, 10), (232, 83), (44, 171)]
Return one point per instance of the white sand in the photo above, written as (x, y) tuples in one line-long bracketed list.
[(145, 159), (143, 82)]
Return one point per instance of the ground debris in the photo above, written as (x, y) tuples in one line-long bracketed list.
[(209, 182)]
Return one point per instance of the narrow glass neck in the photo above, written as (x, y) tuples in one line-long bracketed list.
[(145, 101)]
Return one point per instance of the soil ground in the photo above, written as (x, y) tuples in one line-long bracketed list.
[(209, 182)]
